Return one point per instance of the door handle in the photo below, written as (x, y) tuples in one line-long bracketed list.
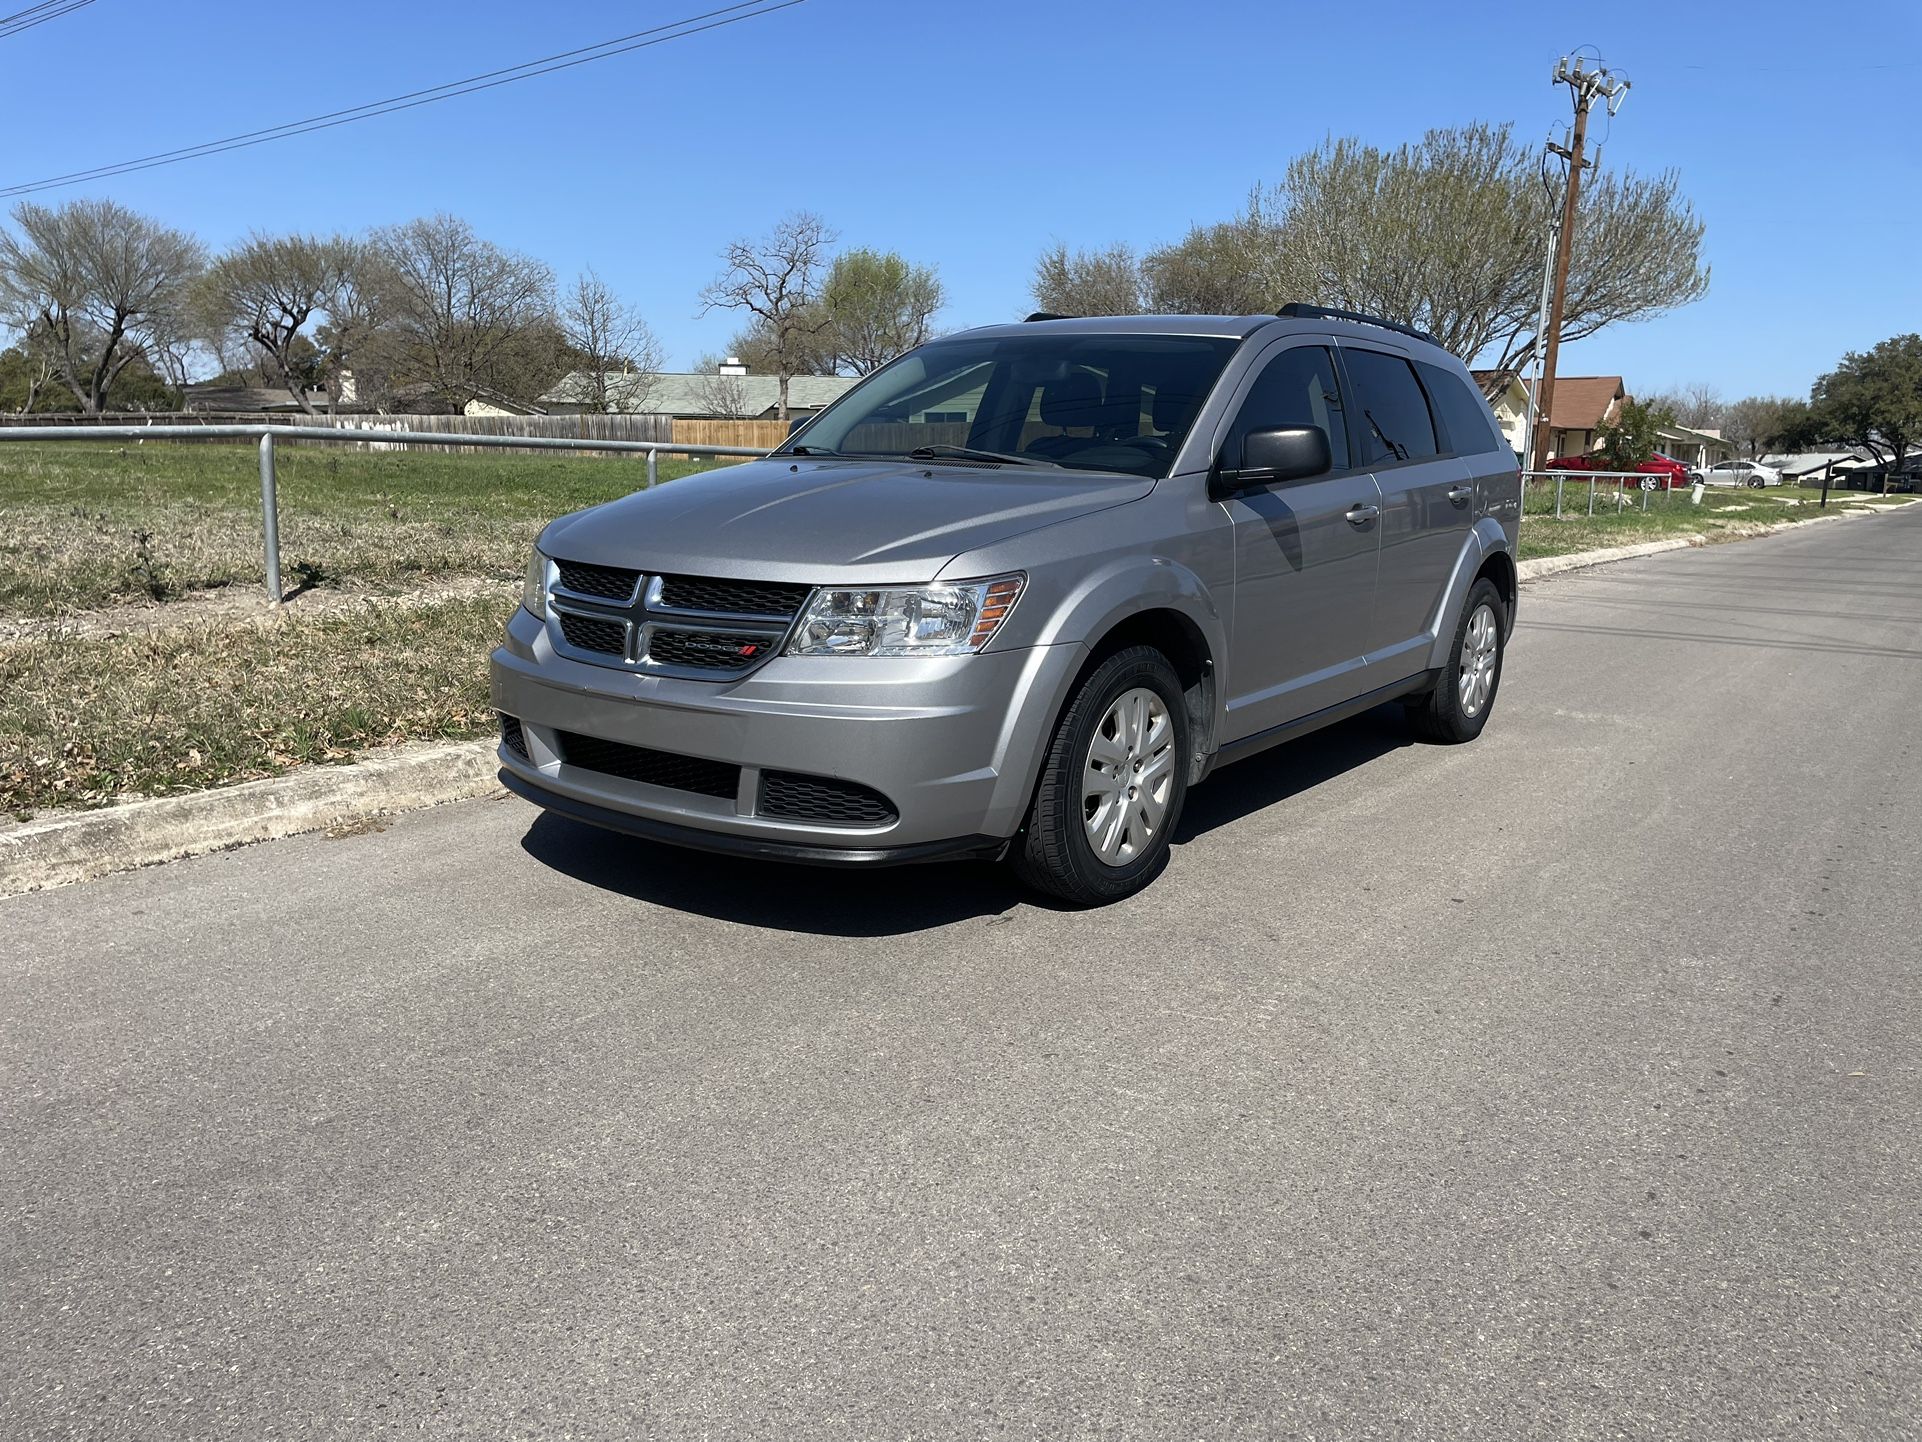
[(1461, 495), (1362, 515)]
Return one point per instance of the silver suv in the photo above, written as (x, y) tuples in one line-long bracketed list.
[(1020, 589)]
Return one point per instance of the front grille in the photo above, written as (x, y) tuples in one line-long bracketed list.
[(787, 796), (708, 650), (512, 737), (741, 598), (593, 633), (611, 582), (655, 768)]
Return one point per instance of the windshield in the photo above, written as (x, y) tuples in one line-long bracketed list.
[(1086, 402)]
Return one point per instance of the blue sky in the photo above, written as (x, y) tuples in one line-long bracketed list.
[(970, 136)]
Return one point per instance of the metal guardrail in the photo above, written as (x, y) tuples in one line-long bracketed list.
[(268, 435), (1645, 482)]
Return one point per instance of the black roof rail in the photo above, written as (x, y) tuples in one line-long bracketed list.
[(1297, 311), (1050, 315)]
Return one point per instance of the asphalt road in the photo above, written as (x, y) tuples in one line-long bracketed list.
[(1563, 1085)]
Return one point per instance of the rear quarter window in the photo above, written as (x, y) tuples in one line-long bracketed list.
[(1467, 425)]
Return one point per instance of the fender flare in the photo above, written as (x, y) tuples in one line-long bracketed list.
[(1486, 539)]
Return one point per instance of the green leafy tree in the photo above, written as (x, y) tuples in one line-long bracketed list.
[(1873, 399), (1751, 423), (1634, 435), (877, 306), (1795, 426), (1448, 234)]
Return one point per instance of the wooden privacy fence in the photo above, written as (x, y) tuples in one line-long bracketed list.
[(764, 435)]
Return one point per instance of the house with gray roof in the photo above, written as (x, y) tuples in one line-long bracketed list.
[(727, 394)]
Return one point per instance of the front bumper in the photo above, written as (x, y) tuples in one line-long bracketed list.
[(954, 743)]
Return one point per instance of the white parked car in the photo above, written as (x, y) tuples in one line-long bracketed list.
[(1738, 473)]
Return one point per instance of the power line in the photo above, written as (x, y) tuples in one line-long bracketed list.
[(39, 15), (473, 84)]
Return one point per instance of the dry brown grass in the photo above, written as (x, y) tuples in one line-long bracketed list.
[(85, 524), (89, 720)]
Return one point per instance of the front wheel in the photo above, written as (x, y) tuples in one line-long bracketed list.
[(1112, 784), (1458, 707)]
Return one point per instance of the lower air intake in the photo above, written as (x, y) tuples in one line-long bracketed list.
[(824, 800), (653, 768)]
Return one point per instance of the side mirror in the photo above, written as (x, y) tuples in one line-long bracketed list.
[(1286, 453), (795, 423)]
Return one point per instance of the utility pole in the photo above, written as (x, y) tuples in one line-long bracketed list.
[(1585, 85)]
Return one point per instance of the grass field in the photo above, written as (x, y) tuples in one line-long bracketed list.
[(176, 696), (85, 525), (1723, 514)]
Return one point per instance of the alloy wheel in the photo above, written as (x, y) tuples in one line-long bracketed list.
[(1129, 776), (1480, 648)]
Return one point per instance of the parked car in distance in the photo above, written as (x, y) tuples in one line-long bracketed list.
[(1738, 473), (1016, 591), (1667, 472)]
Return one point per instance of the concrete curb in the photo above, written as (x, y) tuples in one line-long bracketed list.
[(1553, 565), (79, 846)]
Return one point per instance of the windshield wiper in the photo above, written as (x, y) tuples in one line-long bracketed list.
[(805, 451), (968, 453)]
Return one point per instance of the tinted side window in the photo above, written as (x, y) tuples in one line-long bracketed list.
[(1467, 425), (1392, 420), (1296, 388)]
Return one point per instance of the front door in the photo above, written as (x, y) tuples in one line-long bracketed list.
[(1305, 555)]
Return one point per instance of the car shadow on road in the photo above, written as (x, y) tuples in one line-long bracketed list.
[(901, 900), (1272, 777), (817, 900)]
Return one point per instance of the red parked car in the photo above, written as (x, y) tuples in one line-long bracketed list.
[(1670, 474)]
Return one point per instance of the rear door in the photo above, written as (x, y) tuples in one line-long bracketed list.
[(1304, 552), (1427, 504)]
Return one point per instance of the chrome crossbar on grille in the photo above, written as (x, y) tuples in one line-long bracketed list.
[(692, 626)]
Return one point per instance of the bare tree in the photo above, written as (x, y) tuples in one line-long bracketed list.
[(267, 290), (877, 307), (776, 280), (1694, 404), (1088, 282), (622, 358), (1215, 270), (722, 395), (101, 286), (467, 316), (358, 347)]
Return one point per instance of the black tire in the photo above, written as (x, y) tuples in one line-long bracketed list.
[(1755, 484), (1438, 715), (1053, 853)]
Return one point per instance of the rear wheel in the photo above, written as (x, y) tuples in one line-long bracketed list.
[(1112, 785), (1458, 707)]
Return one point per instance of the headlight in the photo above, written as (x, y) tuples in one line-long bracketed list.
[(534, 587), (951, 619)]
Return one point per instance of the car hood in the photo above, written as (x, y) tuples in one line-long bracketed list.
[(819, 521)]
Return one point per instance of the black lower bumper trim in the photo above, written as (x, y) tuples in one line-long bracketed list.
[(960, 848)]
